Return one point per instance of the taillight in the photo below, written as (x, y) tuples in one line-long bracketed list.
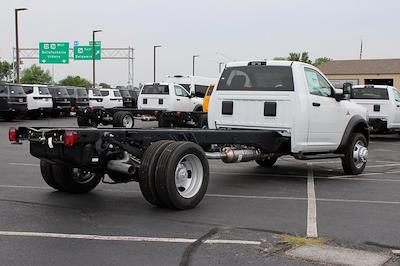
[(13, 134), (70, 138), (91, 109), (72, 109), (157, 113), (178, 114)]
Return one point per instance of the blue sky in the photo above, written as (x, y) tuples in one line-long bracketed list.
[(241, 30)]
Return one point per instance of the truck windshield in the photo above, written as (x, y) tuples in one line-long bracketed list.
[(125, 93), (155, 89), (117, 94), (44, 91), (96, 92), (82, 92), (16, 90), (56, 91), (370, 93), (257, 78)]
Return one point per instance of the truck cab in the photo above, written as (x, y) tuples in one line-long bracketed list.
[(95, 98), (111, 98), (168, 97), (61, 100), (292, 98), (382, 104), (12, 101), (38, 98), (79, 98)]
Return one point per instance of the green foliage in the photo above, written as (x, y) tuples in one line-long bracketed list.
[(35, 75), (75, 81), (302, 57), (321, 60), (104, 85), (279, 58), (6, 70)]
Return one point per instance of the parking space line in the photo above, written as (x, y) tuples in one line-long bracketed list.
[(25, 164), (126, 238), (311, 204), (383, 165)]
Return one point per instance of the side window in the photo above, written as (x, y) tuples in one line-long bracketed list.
[(179, 91), (317, 84), (104, 93), (28, 90)]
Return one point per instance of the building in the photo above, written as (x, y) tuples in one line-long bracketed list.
[(360, 72)]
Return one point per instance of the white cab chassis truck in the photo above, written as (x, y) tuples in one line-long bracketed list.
[(382, 104), (259, 110)]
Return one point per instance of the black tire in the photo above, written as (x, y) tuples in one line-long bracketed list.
[(148, 169), (165, 175), (163, 122), (83, 121), (203, 123), (267, 162), (47, 174), (120, 116), (64, 177), (348, 162)]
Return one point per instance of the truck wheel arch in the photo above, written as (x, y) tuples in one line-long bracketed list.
[(356, 124)]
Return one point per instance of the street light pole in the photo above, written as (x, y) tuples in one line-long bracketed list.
[(94, 56), (194, 60), (16, 41), (154, 63)]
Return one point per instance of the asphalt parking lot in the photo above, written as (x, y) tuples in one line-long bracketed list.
[(240, 221)]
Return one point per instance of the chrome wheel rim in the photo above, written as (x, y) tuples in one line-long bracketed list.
[(127, 121), (81, 176), (189, 176), (360, 154)]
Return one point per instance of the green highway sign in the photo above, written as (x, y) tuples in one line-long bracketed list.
[(85, 52), (53, 53), (96, 43)]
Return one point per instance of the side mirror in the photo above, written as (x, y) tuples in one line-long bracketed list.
[(192, 94), (347, 88)]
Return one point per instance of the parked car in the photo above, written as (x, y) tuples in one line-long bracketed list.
[(111, 98), (126, 98), (12, 101), (193, 84), (383, 106), (79, 98), (38, 97), (95, 98), (61, 100), (168, 97)]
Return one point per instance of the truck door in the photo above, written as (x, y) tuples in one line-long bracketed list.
[(396, 94), (182, 100), (328, 117)]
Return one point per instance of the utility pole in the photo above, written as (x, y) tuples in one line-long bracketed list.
[(154, 63), (16, 41), (94, 55), (219, 66), (194, 61)]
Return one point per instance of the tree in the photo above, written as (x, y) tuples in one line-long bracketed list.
[(35, 75), (305, 58), (104, 85), (279, 58), (6, 70), (321, 60), (75, 81), (293, 57), (302, 57)]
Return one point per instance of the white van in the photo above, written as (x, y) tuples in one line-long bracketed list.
[(95, 98), (383, 106), (38, 98), (111, 98), (168, 97), (193, 84)]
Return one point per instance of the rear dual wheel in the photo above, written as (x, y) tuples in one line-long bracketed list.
[(123, 119), (175, 176), (68, 179)]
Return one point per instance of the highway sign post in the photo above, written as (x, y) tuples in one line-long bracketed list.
[(53, 53), (85, 52)]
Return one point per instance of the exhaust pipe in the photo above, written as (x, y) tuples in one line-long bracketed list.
[(229, 155), (122, 165)]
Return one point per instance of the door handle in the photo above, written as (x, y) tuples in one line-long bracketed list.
[(178, 100), (316, 104)]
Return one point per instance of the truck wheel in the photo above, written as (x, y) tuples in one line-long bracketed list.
[(47, 174), (148, 169), (163, 122), (74, 180), (356, 154), (267, 162), (182, 175), (123, 119), (203, 121), (83, 121)]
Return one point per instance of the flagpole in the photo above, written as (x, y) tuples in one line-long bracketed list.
[(361, 49)]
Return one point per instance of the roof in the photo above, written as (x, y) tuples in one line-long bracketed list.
[(268, 63), (364, 66)]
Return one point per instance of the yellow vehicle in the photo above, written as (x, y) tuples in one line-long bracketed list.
[(207, 96)]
